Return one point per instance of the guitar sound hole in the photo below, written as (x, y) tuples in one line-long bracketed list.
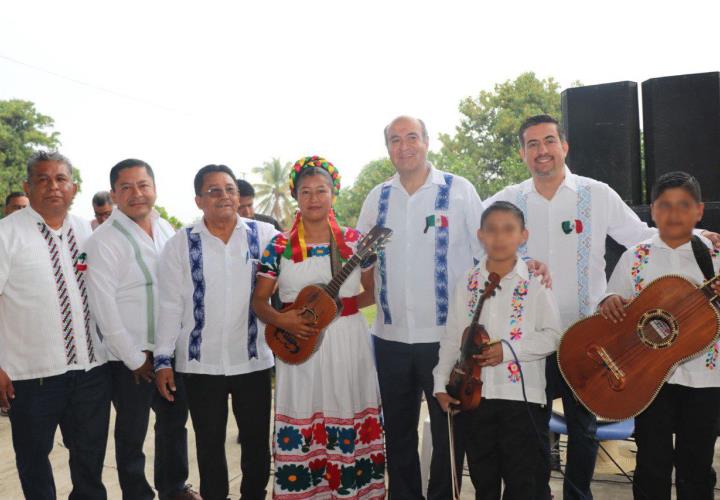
[(658, 329)]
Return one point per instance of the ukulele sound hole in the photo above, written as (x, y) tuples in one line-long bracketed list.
[(657, 329)]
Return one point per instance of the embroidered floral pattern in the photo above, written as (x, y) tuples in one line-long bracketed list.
[(517, 307), (640, 259), (711, 358), (319, 455), (513, 372)]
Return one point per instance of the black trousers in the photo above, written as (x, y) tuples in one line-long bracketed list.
[(692, 415), (504, 445), (404, 373), (132, 405), (582, 447), (78, 402), (208, 401)]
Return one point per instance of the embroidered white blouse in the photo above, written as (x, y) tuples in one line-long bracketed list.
[(522, 312), (649, 260), (122, 278), (32, 337), (205, 315), (434, 242)]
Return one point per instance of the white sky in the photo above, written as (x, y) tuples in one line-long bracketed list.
[(241, 82)]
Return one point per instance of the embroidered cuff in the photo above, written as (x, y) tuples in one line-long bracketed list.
[(162, 362)]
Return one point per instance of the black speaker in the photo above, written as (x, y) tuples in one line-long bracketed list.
[(681, 124), (603, 130)]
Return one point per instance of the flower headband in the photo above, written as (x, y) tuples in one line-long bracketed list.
[(315, 161)]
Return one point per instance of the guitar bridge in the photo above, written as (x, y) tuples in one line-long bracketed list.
[(616, 377)]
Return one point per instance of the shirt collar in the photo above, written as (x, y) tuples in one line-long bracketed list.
[(657, 242), (36, 217), (199, 225), (434, 177), (121, 217), (520, 270), (570, 181)]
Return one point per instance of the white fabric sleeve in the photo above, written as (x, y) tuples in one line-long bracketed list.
[(451, 338), (473, 212), (104, 268), (171, 285), (624, 225), (368, 212), (544, 338), (620, 281)]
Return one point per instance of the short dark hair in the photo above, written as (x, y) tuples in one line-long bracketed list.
[(14, 194), (210, 169), (681, 180), (43, 155), (503, 206), (423, 129), (102, 198), (537, 120), (245, 188), (311, 172), (124, 165)]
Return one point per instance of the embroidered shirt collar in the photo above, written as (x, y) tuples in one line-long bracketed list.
[(39, 218)]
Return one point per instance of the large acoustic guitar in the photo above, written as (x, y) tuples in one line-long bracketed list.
[(320, 304), (617, 369)]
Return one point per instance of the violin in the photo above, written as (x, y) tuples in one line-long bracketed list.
[(465, 384)]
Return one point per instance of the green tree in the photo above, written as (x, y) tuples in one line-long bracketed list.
[(174, 222), (350, 200), (273, 192), (484, 148), (22, 131)]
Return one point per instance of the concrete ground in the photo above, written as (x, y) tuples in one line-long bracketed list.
[(609, 484)]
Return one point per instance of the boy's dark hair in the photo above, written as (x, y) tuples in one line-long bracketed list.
[(14, 194), (681, 180), (245, 188), (537, 120), (211, 169), (503, 206), (125, 164)]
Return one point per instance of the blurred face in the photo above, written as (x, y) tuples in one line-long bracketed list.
[(50, 188), (245, 207), (502, 235), (406, 146), (218, 198), (16, 203), (543, 151), (134, 193), (314, 197), (102, 212), (675, 213)]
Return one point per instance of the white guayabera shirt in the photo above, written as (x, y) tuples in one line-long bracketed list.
[(122, 278), (205, 290), (434, 242), (32, 336), (568, 234)]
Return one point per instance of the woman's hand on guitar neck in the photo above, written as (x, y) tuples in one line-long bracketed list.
[(293, 321), (613, 308)]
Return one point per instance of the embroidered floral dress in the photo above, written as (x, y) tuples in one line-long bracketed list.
[(328, 441)]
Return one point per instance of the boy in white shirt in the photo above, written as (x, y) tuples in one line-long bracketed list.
[(688, 404), (505, 435)]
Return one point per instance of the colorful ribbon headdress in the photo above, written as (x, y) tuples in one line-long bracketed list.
[(297, 246)]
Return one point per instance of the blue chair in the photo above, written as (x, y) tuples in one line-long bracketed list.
[(608, 431)]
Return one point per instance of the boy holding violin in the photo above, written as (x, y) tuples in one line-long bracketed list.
[(505, 434), (688, 404)]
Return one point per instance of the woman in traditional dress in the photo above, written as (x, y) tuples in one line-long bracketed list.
[(328, 440)]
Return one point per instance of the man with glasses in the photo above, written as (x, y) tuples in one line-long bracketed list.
[(207, 274), (122, 260)]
